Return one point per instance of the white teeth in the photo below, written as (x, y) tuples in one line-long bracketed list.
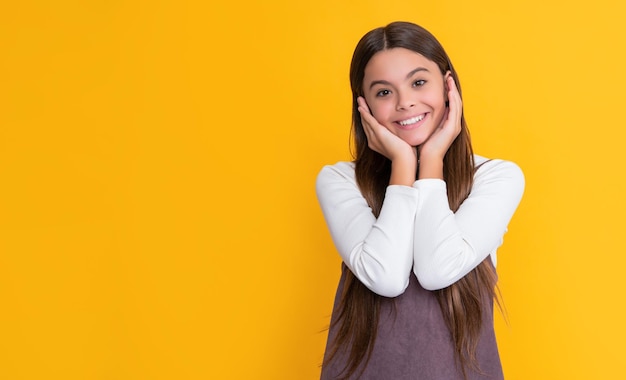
[(412, 120)]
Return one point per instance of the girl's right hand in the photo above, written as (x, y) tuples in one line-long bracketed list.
[(381, 140), (403, 156)]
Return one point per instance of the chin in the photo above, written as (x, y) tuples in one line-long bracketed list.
[(415, 141), (418, 137)]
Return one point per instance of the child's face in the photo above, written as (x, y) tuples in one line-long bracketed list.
[(405, 93)]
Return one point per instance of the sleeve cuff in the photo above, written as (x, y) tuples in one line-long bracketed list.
[(429, 184), (401, 190)]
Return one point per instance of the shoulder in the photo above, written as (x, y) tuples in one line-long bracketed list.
[(342, 171), (336, 184), (336, 181), (503, 172), (486, 167)]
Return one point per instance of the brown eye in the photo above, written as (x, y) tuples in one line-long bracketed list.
[(383, 93), (419, 83)]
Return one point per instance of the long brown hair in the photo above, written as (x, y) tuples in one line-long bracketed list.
[(462, 302)]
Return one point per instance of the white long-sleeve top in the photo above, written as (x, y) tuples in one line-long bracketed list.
[(416, 231)]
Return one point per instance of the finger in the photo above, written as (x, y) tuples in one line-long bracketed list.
[(362, 107), (370, 124), (367, 128), (455, 103), (454, 91), (367, 125), (367, 117), (367, 120), (361, 102)]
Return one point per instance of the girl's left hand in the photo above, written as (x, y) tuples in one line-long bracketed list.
[(439, 142)]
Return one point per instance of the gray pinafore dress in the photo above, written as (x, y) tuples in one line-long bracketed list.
[(413, 342)]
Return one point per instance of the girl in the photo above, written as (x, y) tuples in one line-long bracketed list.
[(416, 218)]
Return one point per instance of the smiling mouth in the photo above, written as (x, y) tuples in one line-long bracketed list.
[(412, 120)]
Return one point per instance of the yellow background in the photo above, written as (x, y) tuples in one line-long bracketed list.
[(157, 210)]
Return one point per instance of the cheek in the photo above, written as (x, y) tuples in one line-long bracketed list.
[(380, 110), (438, 103)]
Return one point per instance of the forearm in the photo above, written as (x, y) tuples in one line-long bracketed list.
[(442, 255), (403, 172), (379, 251), (430, 166), (448, 245)]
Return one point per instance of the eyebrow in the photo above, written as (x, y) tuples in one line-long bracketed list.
[(410, 74)]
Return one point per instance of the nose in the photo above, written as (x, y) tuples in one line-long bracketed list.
[(405, 102)]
